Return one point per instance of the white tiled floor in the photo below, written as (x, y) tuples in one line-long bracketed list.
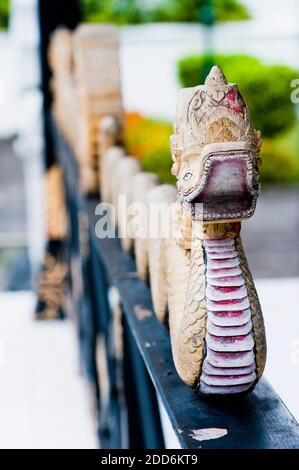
[(43, 400)]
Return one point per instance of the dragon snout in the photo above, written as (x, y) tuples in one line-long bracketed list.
[(228, 188)]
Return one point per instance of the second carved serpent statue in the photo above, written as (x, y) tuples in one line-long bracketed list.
[(207, 291)]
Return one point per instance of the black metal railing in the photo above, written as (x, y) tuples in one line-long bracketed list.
[(127, 385)]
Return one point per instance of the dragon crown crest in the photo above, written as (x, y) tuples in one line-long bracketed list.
[(211, 113)]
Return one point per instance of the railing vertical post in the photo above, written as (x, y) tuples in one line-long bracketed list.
[(145, 431), (52, 300)]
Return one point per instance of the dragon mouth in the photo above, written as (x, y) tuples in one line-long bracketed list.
[(228, 189)]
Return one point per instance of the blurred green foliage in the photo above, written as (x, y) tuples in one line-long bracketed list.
[(4, 13), (114, 11), (138, 11), (148, 140), (278, 165), (201, 11), (280, 158), (265, 88)]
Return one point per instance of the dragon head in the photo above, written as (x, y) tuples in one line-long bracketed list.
[(215, 150)]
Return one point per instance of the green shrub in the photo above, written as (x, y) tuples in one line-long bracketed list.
[(160, 163), (137, 11), (148, 140), (278, 165), (230, 10), (4, 13), (115, 11), (265, 88), (195, 11)]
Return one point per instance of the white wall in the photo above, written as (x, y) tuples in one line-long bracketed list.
[(20, 110)]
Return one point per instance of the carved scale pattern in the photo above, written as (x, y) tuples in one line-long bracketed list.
[(191, 339)]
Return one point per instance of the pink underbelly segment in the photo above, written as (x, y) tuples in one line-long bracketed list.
[(229, 366)]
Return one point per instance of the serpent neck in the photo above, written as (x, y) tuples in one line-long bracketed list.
[(229, 362), (215, 231)]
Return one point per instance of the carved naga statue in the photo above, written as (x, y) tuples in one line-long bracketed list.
[(215, 319)]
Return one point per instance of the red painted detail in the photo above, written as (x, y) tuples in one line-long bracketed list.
[(223, 260), (189, 191), (219, 251), (229, 339), (236, 314), (229, 377), (224, 279), (240, 368), (221, 270), (229, 355), (226, 289), (228, 302), (230, 327), (231, 95)]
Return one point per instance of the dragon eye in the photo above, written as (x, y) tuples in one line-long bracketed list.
[(187, 176)]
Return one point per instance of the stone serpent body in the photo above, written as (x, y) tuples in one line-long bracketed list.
[(215, 319), (199, 276)]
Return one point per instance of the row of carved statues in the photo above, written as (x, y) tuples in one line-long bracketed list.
[(185, 238), (86, 87)]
